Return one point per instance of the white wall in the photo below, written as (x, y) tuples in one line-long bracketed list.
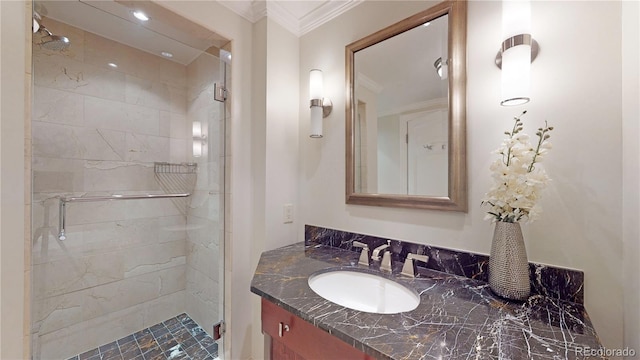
[(580, 227), (367, 166), (13, 275), (258, 161), (281, 134), (258, 140), (275, 133), (631, 171), (390, 179)]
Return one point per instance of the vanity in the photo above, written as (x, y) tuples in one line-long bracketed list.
[(458, 317)]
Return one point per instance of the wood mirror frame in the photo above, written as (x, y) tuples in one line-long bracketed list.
[(457, 179)]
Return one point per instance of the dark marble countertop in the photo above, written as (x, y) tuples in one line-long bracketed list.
[(458, 317)]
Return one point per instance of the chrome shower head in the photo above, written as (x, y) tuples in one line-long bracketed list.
[(53, 42)]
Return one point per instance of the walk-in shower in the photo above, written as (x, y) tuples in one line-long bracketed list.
[(127, 227)]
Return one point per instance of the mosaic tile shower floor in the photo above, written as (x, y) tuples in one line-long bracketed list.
[(177, 338)]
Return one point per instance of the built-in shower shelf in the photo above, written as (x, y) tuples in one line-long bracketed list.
[(171, 168), (64, 200), (176, 178)]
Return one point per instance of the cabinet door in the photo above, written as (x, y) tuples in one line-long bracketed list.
[(280, 351), (296, 339)]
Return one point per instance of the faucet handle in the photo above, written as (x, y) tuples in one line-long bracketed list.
[(408, 269), (385, 264), (364, 254)]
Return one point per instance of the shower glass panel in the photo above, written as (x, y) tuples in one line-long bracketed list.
[(112, 117)]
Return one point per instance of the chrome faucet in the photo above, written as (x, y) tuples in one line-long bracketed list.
[(385, 264), (364, 254), (408, 269)]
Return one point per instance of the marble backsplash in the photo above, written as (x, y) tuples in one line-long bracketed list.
[(554, 282)]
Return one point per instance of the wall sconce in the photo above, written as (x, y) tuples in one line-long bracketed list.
[(517, 52), (441, 68), (199, 139), (320, 106)]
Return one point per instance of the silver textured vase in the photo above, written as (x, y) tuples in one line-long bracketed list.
[(508, 265)]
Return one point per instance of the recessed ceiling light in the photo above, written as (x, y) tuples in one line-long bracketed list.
[(166, 54), (113, 65), (426, 24), (140, 15)]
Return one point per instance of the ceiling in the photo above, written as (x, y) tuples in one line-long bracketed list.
[(164, 32), (168, 32), (401, 70)]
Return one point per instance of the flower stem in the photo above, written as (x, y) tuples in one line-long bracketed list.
[(542, 136), (514, 131)]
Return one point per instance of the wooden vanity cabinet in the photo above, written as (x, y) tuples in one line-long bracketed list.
[(295, 339)]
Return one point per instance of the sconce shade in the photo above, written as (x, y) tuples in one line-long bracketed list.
[(516, 52), (199, 139), (197, 129), (319, 106), (516, 75), (315, 84), (315, 130), (197, 148)]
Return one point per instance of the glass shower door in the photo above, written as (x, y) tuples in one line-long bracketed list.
[(205, 218)]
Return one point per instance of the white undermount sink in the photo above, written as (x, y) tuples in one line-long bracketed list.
[(364, 292)]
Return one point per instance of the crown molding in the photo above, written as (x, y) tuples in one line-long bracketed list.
[(242, 8), (259, 8), (254, 10), (427, 105), (279, 13), (368, 83), (325, 13)]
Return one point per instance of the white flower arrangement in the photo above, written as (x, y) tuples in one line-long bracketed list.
[(518, 183)]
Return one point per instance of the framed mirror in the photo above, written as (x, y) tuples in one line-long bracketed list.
[(406, 113)]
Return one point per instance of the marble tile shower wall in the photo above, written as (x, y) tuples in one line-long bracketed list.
[(205, 216), (96, 131)]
